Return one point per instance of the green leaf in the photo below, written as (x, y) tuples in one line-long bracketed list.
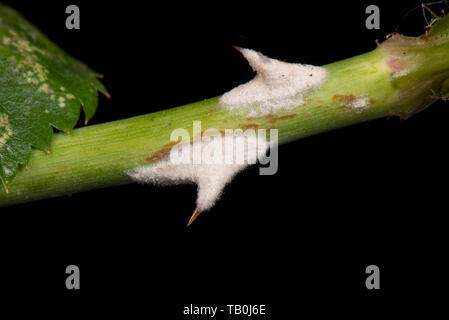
[(41, 87)]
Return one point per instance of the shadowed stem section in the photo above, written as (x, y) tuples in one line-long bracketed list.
[(400, 77)]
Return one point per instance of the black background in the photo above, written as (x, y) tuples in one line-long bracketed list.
[(298, 241)]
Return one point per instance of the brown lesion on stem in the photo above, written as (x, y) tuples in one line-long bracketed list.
[(161, 153), (345, 100), (271, 118), (274, 118), (246, 126)]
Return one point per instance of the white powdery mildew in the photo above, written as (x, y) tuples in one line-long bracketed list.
[(277, 85), (211, 178), (401, 73), (359, 104)]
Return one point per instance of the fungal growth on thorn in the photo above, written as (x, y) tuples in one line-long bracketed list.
[(277, 85), (211, 164)]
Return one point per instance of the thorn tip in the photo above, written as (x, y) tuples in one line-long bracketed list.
[(239, 49), (195, 215)]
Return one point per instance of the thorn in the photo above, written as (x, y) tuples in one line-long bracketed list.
[(86, 122), (108, 95), (48, 151), (237, 48), (6, 190), (377, 42), (195, 215), (68, 132), (26, 166)]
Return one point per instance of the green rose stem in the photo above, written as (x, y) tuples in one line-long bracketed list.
[(401, 76)]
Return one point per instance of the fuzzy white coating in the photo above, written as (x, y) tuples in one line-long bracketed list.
[(277, 85), (211, 178)]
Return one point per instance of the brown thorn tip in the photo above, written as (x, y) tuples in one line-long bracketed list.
[(86, 122), (195, 215), (237, 48), (48, 151)]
